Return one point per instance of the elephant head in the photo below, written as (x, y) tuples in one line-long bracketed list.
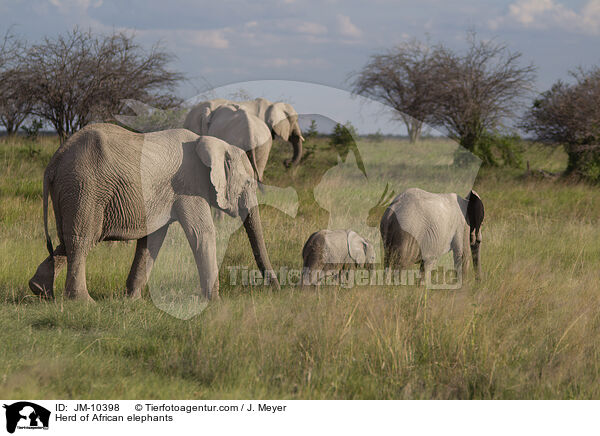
[(282, 120), (231, 176), (475, 214)]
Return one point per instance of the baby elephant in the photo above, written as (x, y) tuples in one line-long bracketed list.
[(419, 226), (330, 251)]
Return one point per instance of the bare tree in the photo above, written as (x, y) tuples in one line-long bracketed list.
[(481, 89), (79, 77), (15, 102), (404, 78), (569, 114)]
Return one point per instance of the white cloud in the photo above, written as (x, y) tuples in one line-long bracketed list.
[(68, 6), (346, 27), (543, 14), (292, 61), (211, 38), (311, 28), (207, 38), (303, 27)]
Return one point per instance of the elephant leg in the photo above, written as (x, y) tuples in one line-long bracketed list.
[(194, 215), (77, 251), (460, 264), (461, 260), (42, 282), (146, 252)]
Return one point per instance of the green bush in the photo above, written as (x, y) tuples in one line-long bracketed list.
[(497, 149), (343, 136), (584, 161)]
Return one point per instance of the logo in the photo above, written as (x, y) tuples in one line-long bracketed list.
[(26, 415)]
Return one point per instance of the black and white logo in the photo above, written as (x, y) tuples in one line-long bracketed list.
[(26, 415)]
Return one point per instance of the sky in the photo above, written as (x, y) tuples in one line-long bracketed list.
[(225, 42)]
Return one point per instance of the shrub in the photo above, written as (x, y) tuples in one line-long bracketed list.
[(496, 149), (342, 137)]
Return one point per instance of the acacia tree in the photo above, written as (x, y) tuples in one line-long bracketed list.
[(79, 77), (15, 102), (481, 89), (404, 78), (569, 114)]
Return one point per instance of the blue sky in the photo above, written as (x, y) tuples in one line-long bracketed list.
[(221, 42)]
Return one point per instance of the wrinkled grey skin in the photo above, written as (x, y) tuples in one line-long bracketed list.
[(107, 183), (280, 118), (331, 251), (419, 226), (235, 125)]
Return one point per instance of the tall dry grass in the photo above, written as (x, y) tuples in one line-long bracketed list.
[(530, 329)]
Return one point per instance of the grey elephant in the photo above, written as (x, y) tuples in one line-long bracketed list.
[(282, 119), (107, 183), (419, 226), (235, 125), (330, 251)]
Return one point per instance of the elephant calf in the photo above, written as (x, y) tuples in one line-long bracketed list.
[(419, 226), (330, 251)]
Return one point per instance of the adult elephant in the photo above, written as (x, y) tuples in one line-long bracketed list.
[(107, 183), (282, 119), (419, 226), (235, 125)]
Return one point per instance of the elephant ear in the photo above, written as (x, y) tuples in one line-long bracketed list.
[(357, 248), (293, 117), (475, 214), (230, 171), (277, 119)]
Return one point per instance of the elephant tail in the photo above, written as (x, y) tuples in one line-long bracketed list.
[(46, 191)]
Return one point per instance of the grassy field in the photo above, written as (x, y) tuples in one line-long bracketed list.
[(530, 329)]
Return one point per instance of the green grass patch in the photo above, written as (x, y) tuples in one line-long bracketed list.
[(528, 330)]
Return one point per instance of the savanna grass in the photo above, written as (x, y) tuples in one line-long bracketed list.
[(530, 329)]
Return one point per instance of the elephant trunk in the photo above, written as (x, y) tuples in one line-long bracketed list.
[(296, 141), (253, 227), (476, 260)]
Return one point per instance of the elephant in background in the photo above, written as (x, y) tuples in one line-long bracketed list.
[(234, 125), (419, 226), (330, 251), (107, 183), (282, 119)]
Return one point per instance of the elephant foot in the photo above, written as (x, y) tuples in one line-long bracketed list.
[(81, 296), (135, 294), (41, 288)]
